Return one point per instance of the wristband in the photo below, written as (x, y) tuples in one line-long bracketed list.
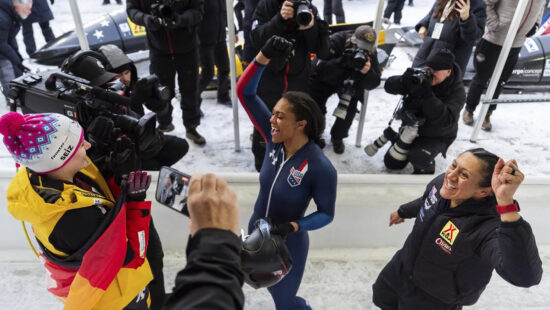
[(509, 208)]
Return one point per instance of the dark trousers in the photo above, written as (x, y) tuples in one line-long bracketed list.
[(421, 155), (250, 50), (334, 6), (215, 54), (395, 7), (7, 74), (172, 151), (393, 290), (28, 35), (320, 92), (284, 292), (155, 254), (187, 67), (485, 60)]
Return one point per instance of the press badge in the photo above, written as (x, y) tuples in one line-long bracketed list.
[(436, 33)]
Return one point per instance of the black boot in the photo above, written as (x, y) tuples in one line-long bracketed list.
[(193, 135), (338, 145)]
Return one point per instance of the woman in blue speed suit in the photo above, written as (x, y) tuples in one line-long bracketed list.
[(294, 169)]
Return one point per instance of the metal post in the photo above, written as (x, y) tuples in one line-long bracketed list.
[(362, 118), (512, 31), (233, 68), (78, 26), (362, 115)]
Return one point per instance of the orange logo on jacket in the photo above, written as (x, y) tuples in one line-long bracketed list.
[(449, 232)]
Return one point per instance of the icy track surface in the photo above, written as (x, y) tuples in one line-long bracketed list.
[(334, 279)]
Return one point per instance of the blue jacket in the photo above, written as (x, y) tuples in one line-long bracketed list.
[(10, 23), (40, 12), (286, 187)]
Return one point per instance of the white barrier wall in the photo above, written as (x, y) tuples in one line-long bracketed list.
[(363, 205)]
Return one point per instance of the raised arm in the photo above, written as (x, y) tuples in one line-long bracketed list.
[(248, 84)]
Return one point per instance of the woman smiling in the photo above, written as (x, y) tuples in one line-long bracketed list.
[(467, 224)]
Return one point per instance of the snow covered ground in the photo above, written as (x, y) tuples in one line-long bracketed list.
[(334, 278)]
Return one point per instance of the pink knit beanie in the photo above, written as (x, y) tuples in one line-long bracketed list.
[(41, 142)]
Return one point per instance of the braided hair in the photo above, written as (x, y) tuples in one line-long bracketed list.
[(305, 108)]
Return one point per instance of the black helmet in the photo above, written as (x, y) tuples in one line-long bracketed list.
[(265, 259)]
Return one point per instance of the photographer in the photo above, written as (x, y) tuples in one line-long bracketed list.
[(12, 12), (166, 150), (173, 48), (432, 102), (296, 21), (351, 67)]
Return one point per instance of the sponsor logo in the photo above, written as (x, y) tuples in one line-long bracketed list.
[(66, 152), (531, 45), (444, 246), (273, 157), (297, 175), (527, 72), (431, 196), (449, 232), (137, 30)]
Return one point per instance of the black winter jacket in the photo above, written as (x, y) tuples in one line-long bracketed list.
[(440, 107), (10, 23), (212, 278), (214, 22), (294, 74), (458, 36), (178, 39), (451, 252), (331, 72)]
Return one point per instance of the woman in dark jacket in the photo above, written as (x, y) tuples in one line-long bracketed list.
[(42, 15), (467, 224), (454, 25)]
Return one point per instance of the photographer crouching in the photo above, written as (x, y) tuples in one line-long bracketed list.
[(156, 149), (351, 67), (432, 100)]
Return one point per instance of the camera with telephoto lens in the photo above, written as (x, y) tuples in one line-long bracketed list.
[(302, 13), (418, 76), (63, 93), (346, 95)]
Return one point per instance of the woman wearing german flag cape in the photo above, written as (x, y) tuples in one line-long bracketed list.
[(92, 233)]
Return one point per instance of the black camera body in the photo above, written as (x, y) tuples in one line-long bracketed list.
[(164, 11), (302, 15), (58, 92), (157, 90), (355, 58), (419, 76)]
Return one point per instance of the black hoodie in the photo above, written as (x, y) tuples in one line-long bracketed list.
[(451, 252)]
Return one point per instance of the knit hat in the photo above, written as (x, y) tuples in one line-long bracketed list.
[(365, 38), (442, 60), (42, 142)]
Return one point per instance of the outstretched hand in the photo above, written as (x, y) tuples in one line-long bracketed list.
[(395, 218), (506, 179)]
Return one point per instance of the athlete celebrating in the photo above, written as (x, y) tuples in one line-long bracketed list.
[(294, 169)]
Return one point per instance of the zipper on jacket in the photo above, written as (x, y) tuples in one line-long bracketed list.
[(273, 184)]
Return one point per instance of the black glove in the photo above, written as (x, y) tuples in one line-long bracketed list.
[(138, 183), (533, 30), (156, 105), (100, 131), (123, 159), (277, 47), (141, 91), (282, 229), (151, 23), (346, 60)]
